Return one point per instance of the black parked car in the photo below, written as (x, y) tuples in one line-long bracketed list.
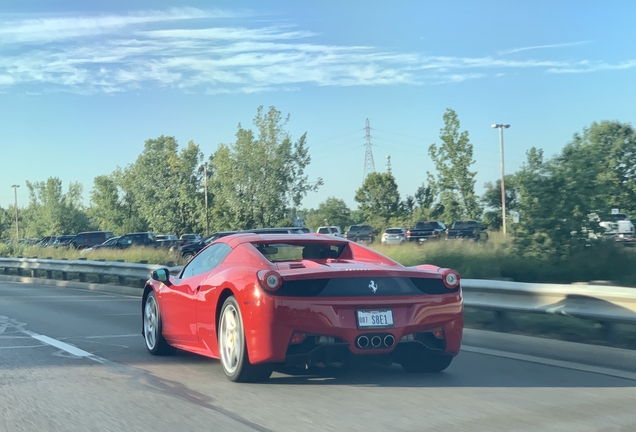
[(467, 230), (360, 233), (89, 239), (427, 230), (140, 239), (62, 241)]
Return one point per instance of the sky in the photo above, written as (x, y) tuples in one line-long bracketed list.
[(84, 84)]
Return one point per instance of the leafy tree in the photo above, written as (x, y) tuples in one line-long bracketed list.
[(162, 186), (259, 177), (7, 230), (559, 198), (110, 210), (333, 210), (491, 199), (51, 212), (455, 182), (379, 197)]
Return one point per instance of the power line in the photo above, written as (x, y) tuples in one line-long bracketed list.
[(369, 165)]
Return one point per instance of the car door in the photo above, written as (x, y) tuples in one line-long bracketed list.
[(178, 306), (208, 295)]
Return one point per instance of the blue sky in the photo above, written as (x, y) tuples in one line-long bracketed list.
[(84, 84)]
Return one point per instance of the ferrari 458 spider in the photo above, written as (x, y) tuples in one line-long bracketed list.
[(259, 302)]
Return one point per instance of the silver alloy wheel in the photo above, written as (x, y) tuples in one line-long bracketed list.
[(230, 339), (151, 322)]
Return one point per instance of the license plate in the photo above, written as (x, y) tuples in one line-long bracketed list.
[(375, 318)]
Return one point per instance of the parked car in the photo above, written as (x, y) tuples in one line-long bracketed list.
[(111, 241), (393, 236), (360, 233), (46, 241), (617, 226), (279, 311), (168, 240), (189, 238), (425, 231), (468, 230), (332, 230), (62, 241), (89, 239), (140, 239)]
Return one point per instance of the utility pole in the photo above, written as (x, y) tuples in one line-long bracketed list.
[(501, 127), (369, 165), (388, 164), (17, 227), (205, 197)]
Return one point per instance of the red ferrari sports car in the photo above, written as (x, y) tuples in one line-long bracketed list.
[(257, 302)]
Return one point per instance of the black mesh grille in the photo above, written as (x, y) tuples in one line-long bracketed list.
[(362, 287)]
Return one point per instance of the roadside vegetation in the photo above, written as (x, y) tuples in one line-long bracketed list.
[(260, 180)]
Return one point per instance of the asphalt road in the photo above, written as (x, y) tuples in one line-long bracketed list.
[(108, 382)]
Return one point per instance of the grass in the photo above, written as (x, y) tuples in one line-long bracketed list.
[(132, 255), (498, 258)]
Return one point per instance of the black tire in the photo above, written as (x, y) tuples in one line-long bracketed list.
[(429, 363), (152, 325), (233, 349)]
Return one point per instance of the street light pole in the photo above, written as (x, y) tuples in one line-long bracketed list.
[(17, 227), (501, 127), (205, 197)]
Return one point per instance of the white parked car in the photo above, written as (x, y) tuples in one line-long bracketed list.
[(333, 230), (393, 236), (618, 226)]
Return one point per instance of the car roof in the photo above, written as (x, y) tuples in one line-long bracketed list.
[(240, 238)]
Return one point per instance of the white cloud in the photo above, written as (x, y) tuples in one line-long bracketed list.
[(197, 50), (536, 47)]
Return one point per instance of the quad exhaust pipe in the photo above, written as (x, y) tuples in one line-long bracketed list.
[(377, 341)]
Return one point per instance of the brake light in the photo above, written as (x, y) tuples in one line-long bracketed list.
[(408, 233), (297, 338), (269, 280), (450, 278)]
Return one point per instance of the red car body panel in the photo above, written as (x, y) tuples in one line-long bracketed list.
[(190, 306)]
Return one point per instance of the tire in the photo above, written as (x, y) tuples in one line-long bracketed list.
[(233, 349), (429, 363), (188, 256), (151, 316)]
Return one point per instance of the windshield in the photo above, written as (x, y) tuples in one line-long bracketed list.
[(292, 251)]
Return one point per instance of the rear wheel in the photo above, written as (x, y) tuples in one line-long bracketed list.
[(155, 342), (233, 349), (426, 363), (188, 256)]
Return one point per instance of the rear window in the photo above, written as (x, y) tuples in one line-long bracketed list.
[(325, 230), (394, 231), (465, 225), (281, 251), (426, 225), (360, 228)]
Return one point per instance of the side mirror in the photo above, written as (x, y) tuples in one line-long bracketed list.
[(161, 275)]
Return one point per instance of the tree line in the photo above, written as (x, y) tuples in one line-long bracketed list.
[(259, 180)]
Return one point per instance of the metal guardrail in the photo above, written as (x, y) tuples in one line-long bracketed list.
[(602, 303), (102, 269)]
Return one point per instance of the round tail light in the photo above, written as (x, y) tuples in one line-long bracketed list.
[(450, 278), (269, 280)]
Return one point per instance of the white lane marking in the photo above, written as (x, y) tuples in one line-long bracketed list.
[(106, 336), (552, 362), (21, 346), (65, 347)]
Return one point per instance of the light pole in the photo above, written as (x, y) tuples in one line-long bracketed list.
[(501, 127), (205, 196), (17, 228)]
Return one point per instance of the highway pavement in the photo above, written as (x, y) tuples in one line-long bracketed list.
[(74, 360)]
